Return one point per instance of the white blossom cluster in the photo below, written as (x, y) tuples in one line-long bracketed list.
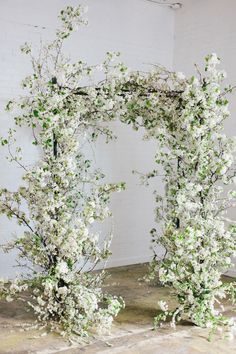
[(64, 195), (185, 116)]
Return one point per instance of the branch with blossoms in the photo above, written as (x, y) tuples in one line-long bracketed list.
[(64, 194)]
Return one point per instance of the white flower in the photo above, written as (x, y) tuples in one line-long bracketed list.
[(90, 220), (40, 301), (62, 268), (9, 298), (223, 170), (213, 59), (14, 287), (163, 305), (209, 324), (180, 75), (228, 260), (63, 290)]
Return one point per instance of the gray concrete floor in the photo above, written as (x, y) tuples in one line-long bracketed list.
[(132, 330)]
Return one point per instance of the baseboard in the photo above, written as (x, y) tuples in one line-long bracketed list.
[(231, 273), (118, 262)]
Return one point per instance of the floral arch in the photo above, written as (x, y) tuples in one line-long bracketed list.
[(65, 194)]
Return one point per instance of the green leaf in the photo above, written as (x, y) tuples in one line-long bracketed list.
[(4, 142), (36, 113)]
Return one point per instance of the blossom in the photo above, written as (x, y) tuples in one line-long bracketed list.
[(63, 290), (62, 267), (9, 298), (180, 75), (213, 59), (163, 305)]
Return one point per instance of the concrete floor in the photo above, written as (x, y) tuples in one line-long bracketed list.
[(131, 333)]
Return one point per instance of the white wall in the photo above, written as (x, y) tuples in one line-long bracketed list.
[(144, 33), (203, 27)]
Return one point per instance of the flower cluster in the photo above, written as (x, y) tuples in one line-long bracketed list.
[(64, 194), (198, 241), (185, 117)]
